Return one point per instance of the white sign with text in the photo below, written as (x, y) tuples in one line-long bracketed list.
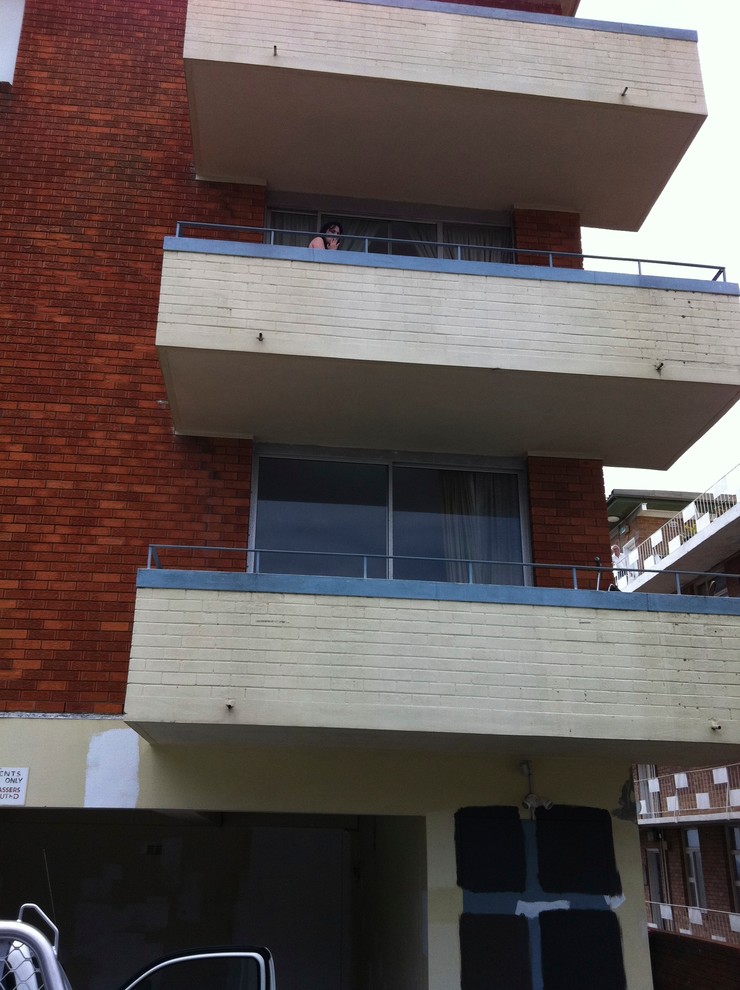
[(13, 781)]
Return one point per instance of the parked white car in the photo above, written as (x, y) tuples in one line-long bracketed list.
[(29, 961)]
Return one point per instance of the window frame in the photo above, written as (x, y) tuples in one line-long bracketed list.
[(393, 459), (733, 856), (344, 214), (696, 892)]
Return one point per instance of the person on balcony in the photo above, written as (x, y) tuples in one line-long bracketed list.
[(328, 238)]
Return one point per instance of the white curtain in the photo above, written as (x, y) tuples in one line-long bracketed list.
[(477, 242), (307, 222), (480, 526), (423, 238)]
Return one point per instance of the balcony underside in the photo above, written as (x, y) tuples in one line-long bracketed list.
[(286, 399), (576, 668), (410, 142), (703, 552), (423, 103), (434, 360)]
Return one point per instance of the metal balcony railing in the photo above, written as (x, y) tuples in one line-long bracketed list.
[(266, 560), (472, 253), (687, 525), (457, 570), (698, 794), (714, 926)]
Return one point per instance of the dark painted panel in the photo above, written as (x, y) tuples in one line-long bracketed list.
[(576, 851), (495, 952), (581, 950), (489, 845)]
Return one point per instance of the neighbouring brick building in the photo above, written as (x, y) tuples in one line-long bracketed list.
[(689, 816), (303, 639)]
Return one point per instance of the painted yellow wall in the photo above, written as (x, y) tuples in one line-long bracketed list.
[(84, 763)]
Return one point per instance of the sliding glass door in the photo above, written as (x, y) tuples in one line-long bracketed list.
[(355, 519)]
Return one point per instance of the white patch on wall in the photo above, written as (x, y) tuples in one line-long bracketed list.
[(653, 785), (672, 802), (681, 779), (695, 917), (666, 912), (719, 775), (702, 801), (614, 900), (735, 796), (112, 773), (533, 909)]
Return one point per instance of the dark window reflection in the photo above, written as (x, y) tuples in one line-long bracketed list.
[(467, 520), (328, 517), (334, 517)]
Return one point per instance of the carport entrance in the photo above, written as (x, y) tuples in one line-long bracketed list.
[(340, 900)]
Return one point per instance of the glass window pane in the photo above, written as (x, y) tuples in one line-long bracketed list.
[(694, 871), (325, 516), (292, 224), (460, 526), (416, 240), (477, 242), (364, 234)]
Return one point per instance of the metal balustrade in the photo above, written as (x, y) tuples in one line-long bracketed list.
[(462, 570), (694, 794), (28, 960), (368, 244), (690, 524), (681, 919)]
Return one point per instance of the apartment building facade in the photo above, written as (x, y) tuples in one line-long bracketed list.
[(306, 641), (688, 816)]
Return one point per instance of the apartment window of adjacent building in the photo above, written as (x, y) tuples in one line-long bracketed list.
[(694, 873), (733, 836), (655, 875), (648, 790), (410, 238), (384, 519)]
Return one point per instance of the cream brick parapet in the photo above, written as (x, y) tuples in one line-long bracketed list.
[(476, 50), (463, 668), (413, 316), (433, 355)]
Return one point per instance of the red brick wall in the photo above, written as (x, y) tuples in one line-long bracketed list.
[(639, 528), (732, 566), (568, 519), (715, 864), (681, 963), (531, 6), (542, 230), (95, 168)]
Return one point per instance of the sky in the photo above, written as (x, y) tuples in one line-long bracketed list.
[(697, 218)]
